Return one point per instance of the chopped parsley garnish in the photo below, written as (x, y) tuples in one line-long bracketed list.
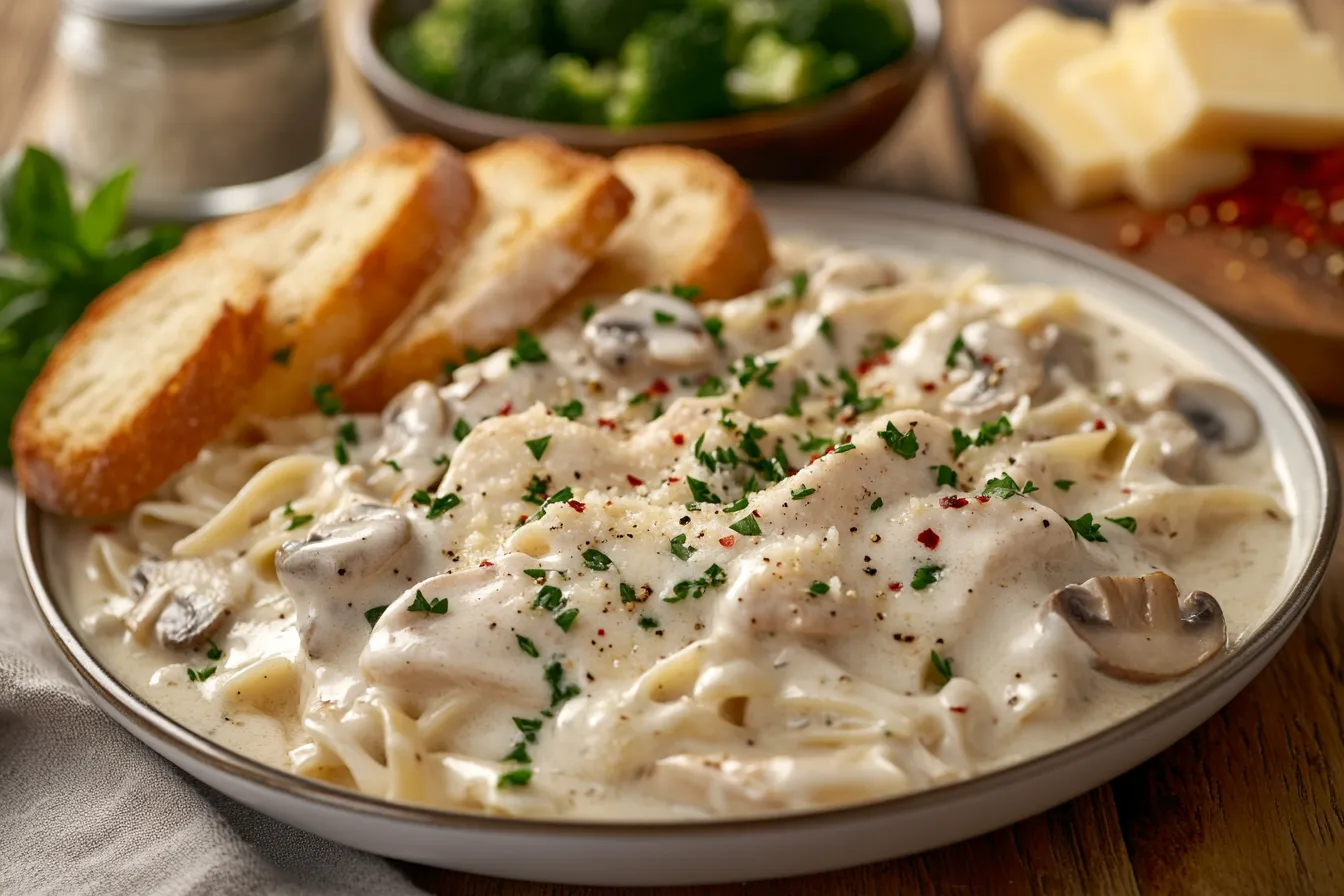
[(947, 476), (596, 560), (754, 369), (527, 646), (710, 387), (739, 504), (348, 433), (798, 283), (638, 398), (714, 327), (798, 495), (528, 727), (648, 622), (1005, 487), (441, 461), (324, 396), (527, 350), (472, 354), (991, 431), (747, 526), (1063, 484), (841, 449), (214, 652), (539, 573), (396, 467), (800, 391), (663, 319), (373, 614), (818, 588), (925, 576), (516, 778), (941, 667), (538, 446), (536, 491), (565, 494), (960, 442), (570, 410), (438, 607), (680, 549), (876, 505), (1084, 528), (712, 577), (588, 311), (850, 396), (299, 519), (903, 443), (438, 506), (560, 692), (549, 598), (566, 619), (958, 346), (461, 428), (700, 491), (200, 674), (686, 292), (1124, 522), (281, 355), (628, 594), (812, 443), (342, 455), (826, 330), (518, 753)]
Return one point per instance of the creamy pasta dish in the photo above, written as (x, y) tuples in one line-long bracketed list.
[(873, 528)]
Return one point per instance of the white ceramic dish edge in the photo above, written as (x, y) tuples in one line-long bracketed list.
[(744, 849)]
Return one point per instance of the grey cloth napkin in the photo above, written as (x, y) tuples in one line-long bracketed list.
[(85, 808)]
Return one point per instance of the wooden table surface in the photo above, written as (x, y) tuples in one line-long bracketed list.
[(1252, 802)]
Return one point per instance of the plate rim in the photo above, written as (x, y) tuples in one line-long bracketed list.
[(134, 711)]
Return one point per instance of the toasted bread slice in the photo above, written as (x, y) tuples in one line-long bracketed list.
[(544, 214), (694, 223), (154, 370), (344, 258)]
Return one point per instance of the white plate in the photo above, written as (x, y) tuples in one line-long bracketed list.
[(704, 852)]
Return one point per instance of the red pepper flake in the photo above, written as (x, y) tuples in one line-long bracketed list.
[(929, 386), (486, 563), (870, 362), (1098, 425), (678, 439), (987, 360), (577, 505), (633, 481), (983, 499), (506, 409), (102, 529), (772, 325), (952, 502), (959, 709), (756, 513), (728, 540), (672, 479), (604, 423), (601, 633), (657, 387), (895, 586), (522, 518), (928, 538)]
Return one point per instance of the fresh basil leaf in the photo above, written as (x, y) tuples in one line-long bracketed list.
[(105, 215), (39, 219)]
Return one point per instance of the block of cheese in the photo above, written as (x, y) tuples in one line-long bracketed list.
[(1019, 91), (1113, 86), (1240, 73)]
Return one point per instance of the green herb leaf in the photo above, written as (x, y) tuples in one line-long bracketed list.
[(714, 327), (710, 387), (200, 674), (560, 692), (960, 442), (214, 652), (528, 726), (991, 431), (516, 778), (300, 519), (373, 614), (663, 319), (588, 311), (942, 668), (925, 576), (38, 217), (903, 443), (818, 588), (1063, 484), (958, 346), (680, 549), (526, 645), (348, 433), (442, 505), (648, 622), (460, 429), (570, 410), (826, 330), (700, 491), (747, 526), (324, 396), (1084, 528), (518, 753), (798, 495), (566, 619), (438, 606), (105, 215), (527, 350), (538, 446), (876, 505), (1124, 522), (688, 293), (596, 560), (1005, 487), (628, 594), (342, 454), (841, 449), (396, 467), (798, 283), (549, 598)]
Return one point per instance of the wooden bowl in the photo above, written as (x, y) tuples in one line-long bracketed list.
[(810, 140)]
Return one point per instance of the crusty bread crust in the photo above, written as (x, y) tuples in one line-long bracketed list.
[(71, 473), (372, 287), (536, 267), (733, 251)]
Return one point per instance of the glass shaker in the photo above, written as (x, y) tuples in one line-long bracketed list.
[(221, 106)]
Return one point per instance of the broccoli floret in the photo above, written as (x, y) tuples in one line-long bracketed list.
[(746, 19), (775, 72), (673, 69), (575, 91), (874, 32), (502, 66), (427, 50), (598, 28)]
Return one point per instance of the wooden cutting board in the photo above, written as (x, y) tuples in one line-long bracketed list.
[(1292, 304)]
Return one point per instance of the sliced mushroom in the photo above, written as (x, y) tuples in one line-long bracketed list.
[(358, 542), (1005, 368), (854, 271), (649, 329), (1141, 629), (185, 601), (1072, 351), (1224, 419)]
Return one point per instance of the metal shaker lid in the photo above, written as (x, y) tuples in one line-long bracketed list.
[(175, 12)]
